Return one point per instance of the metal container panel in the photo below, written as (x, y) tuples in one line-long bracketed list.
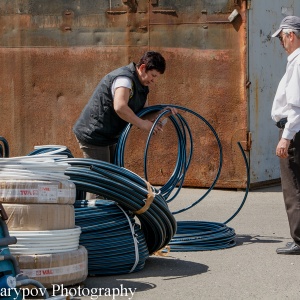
[(53, 54), (206, 73), (267, 63)]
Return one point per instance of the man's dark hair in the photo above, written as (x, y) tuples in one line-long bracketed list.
[(153, 61)]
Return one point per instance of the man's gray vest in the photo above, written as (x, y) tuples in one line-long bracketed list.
[(98, 123)]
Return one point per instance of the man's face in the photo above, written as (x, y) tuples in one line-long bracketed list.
[(147, 78), (284, 38)]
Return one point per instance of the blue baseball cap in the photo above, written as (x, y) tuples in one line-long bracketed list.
[(289, 22)]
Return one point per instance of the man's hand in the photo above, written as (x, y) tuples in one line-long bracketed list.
[(173, 111), (282, 148), (151, 117), (161, 123)]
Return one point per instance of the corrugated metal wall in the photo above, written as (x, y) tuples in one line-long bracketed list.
[(53, 53)]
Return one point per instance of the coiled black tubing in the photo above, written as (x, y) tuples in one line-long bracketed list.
[(130, 191), (190, 235)]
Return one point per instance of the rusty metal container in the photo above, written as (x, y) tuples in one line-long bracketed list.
[(53, 54)]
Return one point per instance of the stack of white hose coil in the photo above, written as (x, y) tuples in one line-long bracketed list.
[(38, 199), (116, 244)]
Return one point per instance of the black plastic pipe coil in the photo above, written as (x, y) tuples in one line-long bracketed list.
[(185, 143), (190, 235), (108, 239), (108, 233), (130, 191)]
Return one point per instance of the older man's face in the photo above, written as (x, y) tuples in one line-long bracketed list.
[(285, 40)]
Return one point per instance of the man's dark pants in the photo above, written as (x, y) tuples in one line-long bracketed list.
[(290, 181)]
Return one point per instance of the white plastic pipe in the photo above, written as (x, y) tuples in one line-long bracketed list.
[(46, 241)]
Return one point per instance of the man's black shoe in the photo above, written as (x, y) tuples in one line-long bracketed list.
[(289, 249)]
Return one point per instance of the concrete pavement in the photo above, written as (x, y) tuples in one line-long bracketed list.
[(250, 270)]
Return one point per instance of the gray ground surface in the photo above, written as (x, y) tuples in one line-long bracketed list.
[(250, 270)]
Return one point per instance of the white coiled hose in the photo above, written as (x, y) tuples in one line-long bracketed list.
[(45, 242)]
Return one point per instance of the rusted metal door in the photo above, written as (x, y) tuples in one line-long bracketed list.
[(206, 72), (53, 53)]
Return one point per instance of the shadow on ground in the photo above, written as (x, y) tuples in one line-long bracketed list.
[(249, 239), (168, 268)]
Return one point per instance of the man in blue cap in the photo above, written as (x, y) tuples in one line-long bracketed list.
[(286, 114)]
